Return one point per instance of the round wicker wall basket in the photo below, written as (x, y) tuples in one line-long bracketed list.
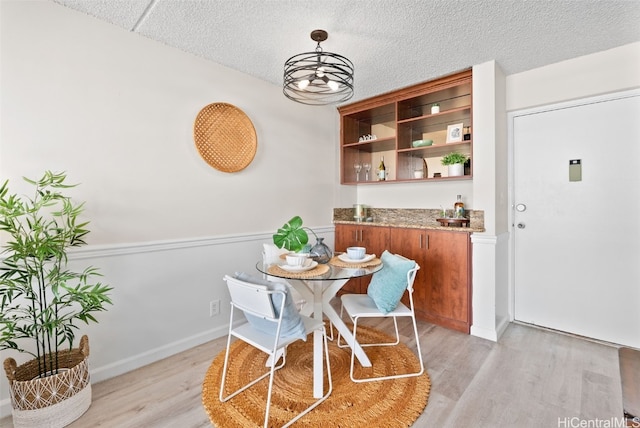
[(51, 401)]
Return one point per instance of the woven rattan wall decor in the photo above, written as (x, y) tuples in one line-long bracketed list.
[(225, 137)]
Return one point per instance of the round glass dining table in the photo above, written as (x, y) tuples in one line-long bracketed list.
[(320, 289)]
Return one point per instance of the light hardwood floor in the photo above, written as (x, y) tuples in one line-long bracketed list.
[(531, 378)]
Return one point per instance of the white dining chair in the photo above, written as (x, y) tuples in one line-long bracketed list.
[(402, 273), (272, 323), (271, 254)]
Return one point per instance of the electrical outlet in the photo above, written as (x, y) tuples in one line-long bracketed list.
[(214, 308)]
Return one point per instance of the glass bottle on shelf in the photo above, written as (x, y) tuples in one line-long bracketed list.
[(466, 136), (458, 208), (382, 170)]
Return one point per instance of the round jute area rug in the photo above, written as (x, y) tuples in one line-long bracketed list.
[(390, 403)]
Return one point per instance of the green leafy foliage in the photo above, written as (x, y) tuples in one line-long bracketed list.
[(292, 235), (454, 158), (40, 298)]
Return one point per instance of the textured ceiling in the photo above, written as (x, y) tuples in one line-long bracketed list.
[(392, 43)]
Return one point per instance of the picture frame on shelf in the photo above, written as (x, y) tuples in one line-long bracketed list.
[(454, 133)]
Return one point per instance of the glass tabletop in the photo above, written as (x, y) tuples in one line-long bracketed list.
[(334, 272)]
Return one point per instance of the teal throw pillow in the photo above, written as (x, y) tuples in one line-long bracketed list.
[(292, 324), (388, 285)]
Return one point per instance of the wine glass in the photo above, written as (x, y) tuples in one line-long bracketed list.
[(358, 168), (367, 168)]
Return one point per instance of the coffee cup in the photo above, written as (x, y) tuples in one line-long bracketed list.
[(356, 253), (297, 259)]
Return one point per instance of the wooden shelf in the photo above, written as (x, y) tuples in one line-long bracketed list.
[(400, 117)]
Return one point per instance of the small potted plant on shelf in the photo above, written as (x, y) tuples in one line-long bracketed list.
[(455, 163), (42, 301), (293, 237)]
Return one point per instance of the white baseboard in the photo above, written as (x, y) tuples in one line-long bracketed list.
[(135, 362), (501, 326), (126, 365), (493, 335), (484, 333)]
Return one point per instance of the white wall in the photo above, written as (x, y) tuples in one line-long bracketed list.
[(116, 112), (489, 192), (604, 72)]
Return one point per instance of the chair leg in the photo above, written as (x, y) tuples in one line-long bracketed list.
[(271, 374), (338, 344), (221, 396), (268, 407), (397, 341), (398, 376), (330, 388), (330, 335)]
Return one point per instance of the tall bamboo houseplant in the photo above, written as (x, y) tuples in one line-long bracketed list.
[(42, 301)]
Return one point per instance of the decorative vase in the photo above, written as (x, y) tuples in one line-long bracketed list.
[(456, 170), (53, 401), (321, 252)]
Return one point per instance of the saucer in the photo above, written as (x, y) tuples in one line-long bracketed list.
[(345, 258), (299, 268)]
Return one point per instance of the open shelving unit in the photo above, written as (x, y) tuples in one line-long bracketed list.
[(399, 118)]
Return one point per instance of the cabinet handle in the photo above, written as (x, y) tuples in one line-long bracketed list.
[(361, 239), (426, 242)]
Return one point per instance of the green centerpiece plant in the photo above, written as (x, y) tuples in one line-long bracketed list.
[(293, 236)]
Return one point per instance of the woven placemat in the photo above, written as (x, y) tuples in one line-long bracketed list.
[(316, 271), (395, 403), (225, 137), (335, 260)]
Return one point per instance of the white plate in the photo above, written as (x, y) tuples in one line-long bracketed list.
[(299, 268), (345, 258)]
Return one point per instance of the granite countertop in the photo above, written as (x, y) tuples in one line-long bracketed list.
[(409, 218)]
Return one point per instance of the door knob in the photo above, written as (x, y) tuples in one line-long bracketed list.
[(521, 226)]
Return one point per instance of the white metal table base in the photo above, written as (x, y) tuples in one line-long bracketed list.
[(312, 291)]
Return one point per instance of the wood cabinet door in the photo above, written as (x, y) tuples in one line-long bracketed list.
[(374, 238), (411, 243), (448, 278), (346, 235), (442, 293)]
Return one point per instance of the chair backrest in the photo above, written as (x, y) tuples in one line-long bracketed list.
[(411, 277), (254, 298), (411, 274)]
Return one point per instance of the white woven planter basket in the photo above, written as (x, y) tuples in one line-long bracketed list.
[(52, 401)]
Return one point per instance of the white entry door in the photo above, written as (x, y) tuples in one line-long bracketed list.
[(577, 243)]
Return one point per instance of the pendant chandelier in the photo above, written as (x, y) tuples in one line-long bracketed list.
[(318, 78)]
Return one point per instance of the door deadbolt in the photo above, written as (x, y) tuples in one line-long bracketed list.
[(521, 207)]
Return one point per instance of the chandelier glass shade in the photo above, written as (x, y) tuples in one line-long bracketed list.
[(318, 78)]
